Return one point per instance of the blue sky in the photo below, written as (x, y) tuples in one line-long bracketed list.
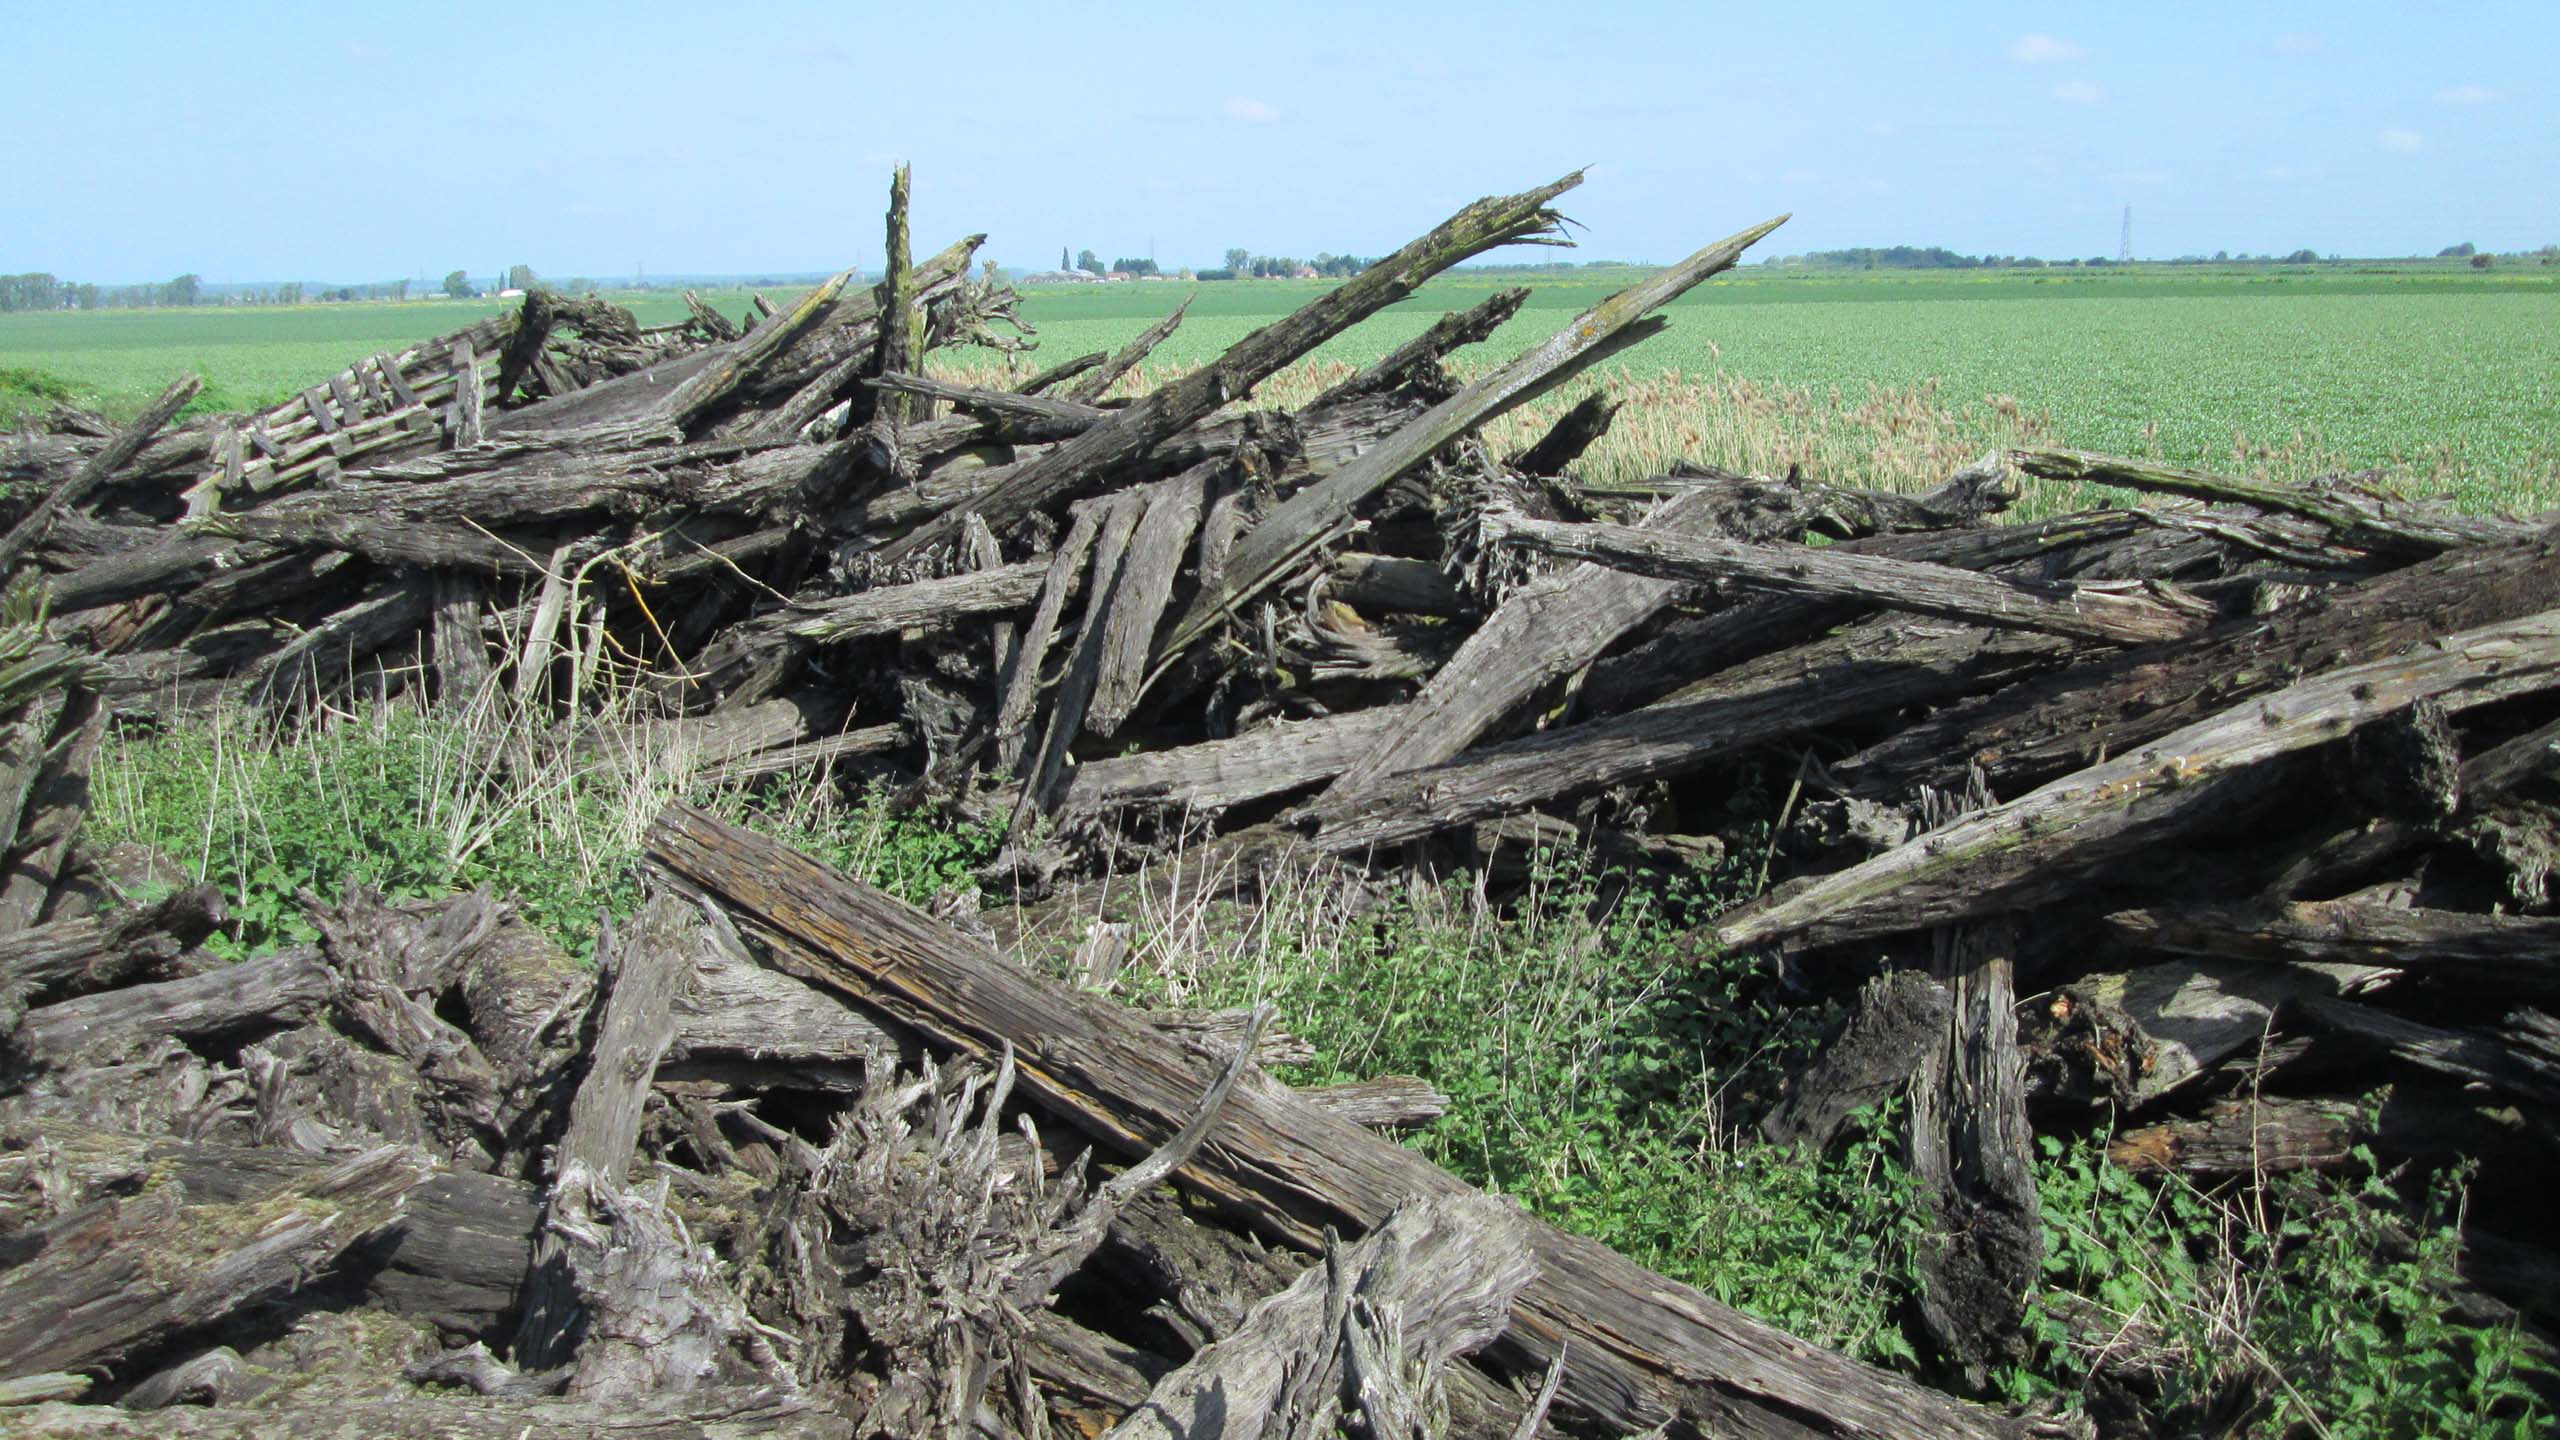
[(355, 142)]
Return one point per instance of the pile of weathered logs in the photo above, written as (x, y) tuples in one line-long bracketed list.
[(2203, 820)]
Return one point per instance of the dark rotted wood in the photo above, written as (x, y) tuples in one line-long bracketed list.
[(268, 994), (2132, 615), (653, 966), (1876, 666), (1143, 589), (460, 653), (1642, 1350), (170, 564), (383, 999), (1317, 512), (1074, 695), (2251, 1135), (720, 328), (1575, 431), (1278, 758), (2494, 954), (316, 662), (23, 537), (2128, 1038), (57, 801), (750, 659), (2470, 1058), (1005, 412), (1901, 1016), (1013, 737), (2402, 527), (1073, 467), (2041, 843), (72, 957), (814, 374), (454, 1255), (1972, 1152), (1559, 623), (113, 1277), (1092, 387), (524, 345), (2123, 702), (1749, 625)]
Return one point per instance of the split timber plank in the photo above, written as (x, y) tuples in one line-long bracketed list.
[(1316, 513), (1638, 1349), (1075, 465)]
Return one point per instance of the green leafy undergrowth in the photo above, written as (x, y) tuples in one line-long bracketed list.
[(2309, 1304), (1591, 1057)]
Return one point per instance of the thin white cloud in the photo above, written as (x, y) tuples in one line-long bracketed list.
[(2468, 95), (2141, 177), (362, 53), (2079, 92), (2299, 45), (2044, 50), (2407, 142), (1252, 111)]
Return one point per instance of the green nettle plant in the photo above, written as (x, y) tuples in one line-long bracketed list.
[(2307, 1304)]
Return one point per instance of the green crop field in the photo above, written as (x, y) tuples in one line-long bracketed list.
[(2440, 376)]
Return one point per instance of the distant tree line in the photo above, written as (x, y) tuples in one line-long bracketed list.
[(1241, 261), (39, 291)]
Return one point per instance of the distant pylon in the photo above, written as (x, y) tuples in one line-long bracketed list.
[(2124, 246)]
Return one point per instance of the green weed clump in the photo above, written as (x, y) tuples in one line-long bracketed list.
[(1591, 1062), (419, 804), (2306, 1304)]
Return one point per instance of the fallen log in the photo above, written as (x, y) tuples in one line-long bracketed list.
[(70, 957), (2039, 844), (1638, 1350), (2055, 724), (2136, 615), (2497, 954), (269, 994), (110, 1279), (2364, 520)]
